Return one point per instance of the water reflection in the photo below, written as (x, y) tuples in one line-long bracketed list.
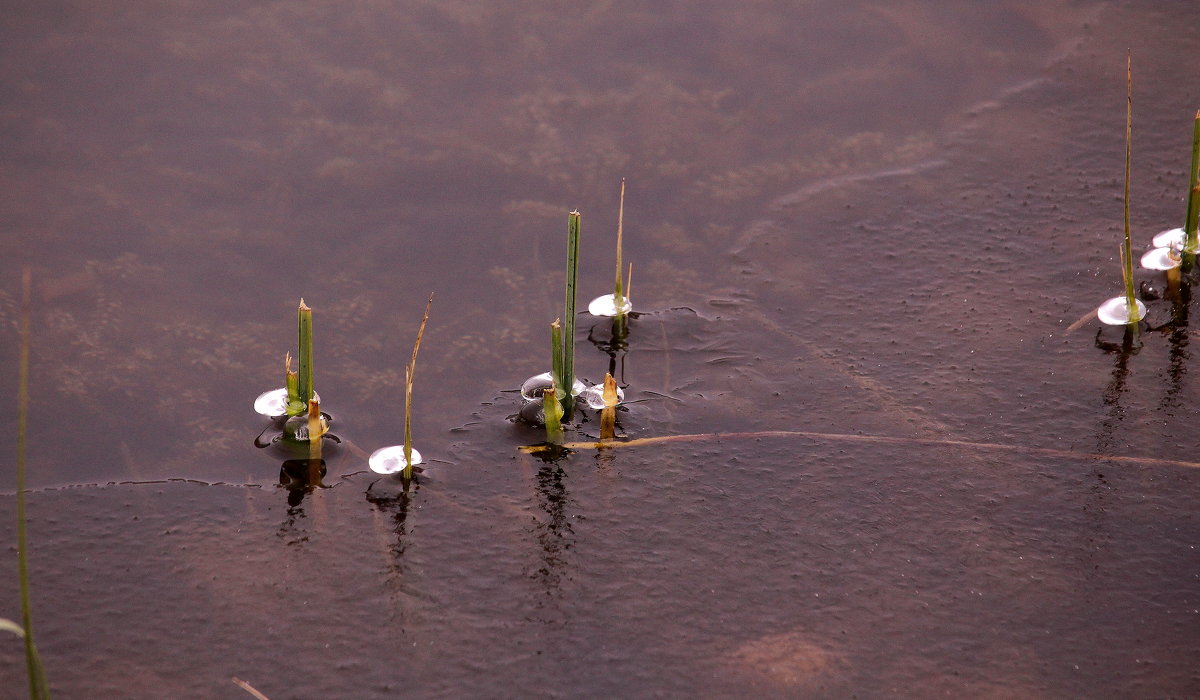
[(555, 536), (392, 496), (1129, 345)]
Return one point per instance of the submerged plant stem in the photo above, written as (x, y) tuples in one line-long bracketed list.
[(878, 439), (38, 688)]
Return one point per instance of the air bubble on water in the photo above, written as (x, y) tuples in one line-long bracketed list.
[(390, 460), (273, 404), (607, 305), (532, 389), (1115, 311), (594, 395)]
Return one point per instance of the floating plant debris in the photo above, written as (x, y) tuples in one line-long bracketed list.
[(594, 395), (533, 387), (273, 404), (390, 460), (1115, 311), (607, 306)]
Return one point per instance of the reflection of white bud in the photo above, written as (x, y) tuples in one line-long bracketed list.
[(1115, 311), (390, 460), (607, 306)]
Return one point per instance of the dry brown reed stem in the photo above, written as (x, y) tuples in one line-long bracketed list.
[(608, 415), (248, 688), (409, 373)]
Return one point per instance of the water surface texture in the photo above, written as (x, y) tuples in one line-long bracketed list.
[(861, 233)]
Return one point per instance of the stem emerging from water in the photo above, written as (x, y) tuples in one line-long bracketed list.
[(38, 688), (608, 415), (304, 326), (568, 349), (553, 413), (618, 292), (1126, 250), (556, 355), (1193, 200), (409, 371)]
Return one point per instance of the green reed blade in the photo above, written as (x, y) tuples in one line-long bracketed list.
[(304, 326), (1193, 200), (556, 354), (38, 688), (553, 416), (1127, 249), (409, 374), (568, 350)]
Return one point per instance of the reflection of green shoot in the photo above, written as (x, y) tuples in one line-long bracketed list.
[(409, 371), (1193, 200), (304, 326), (1126, 250), (38, 688), (568, 347)]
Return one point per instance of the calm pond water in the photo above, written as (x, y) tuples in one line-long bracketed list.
[(861, 234)]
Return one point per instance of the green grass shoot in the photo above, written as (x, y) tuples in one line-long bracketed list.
[(553, 411), (1126, 249), (568, 346), (38, 688), (292, 382), (409, 373), (304, 327), (618, 291), (1193, 199), (556, 355)]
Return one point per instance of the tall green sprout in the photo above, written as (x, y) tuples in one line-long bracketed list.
[(38, 688), (304, 328), (568, 346), (1126, 250), (1193, 198), (618, 286)]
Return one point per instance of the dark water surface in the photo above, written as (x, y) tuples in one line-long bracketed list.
[(846, 220)]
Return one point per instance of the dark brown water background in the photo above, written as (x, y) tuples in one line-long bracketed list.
[(847, 219)]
